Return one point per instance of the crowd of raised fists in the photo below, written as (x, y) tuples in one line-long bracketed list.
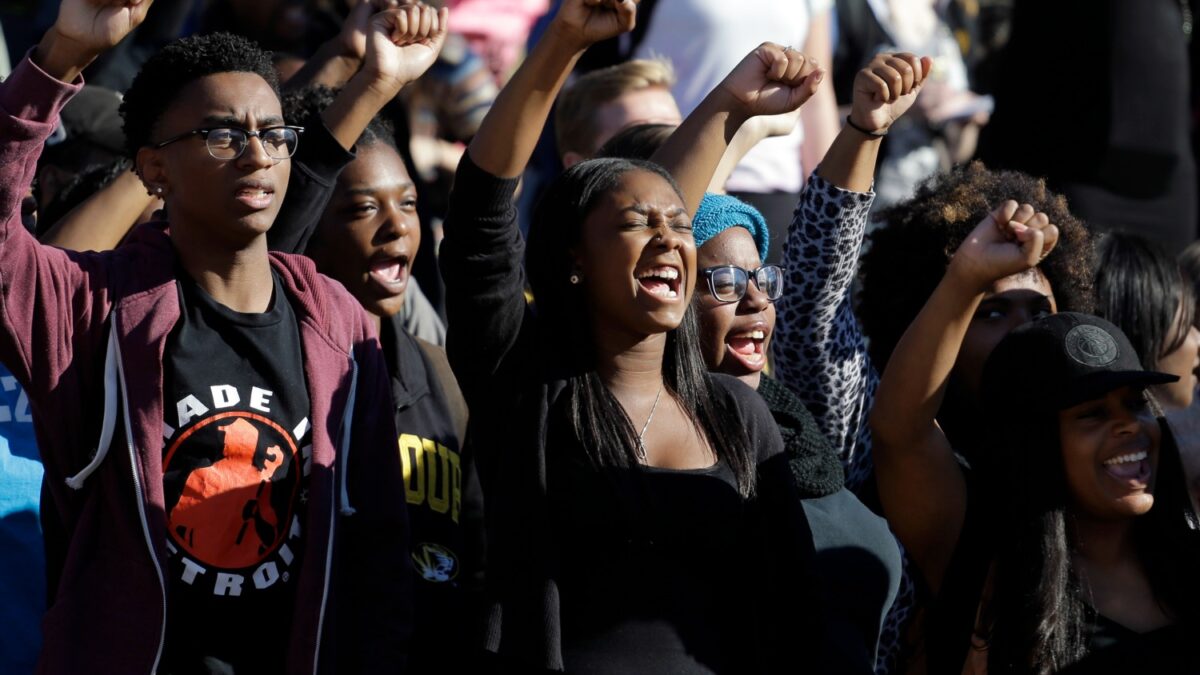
[(316, 370)]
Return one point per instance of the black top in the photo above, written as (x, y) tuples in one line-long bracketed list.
[(643, 551), (856, 557), (235, 470), (445, 504), (507, 373)]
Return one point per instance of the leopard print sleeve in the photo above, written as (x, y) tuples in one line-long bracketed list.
[(819, 348)]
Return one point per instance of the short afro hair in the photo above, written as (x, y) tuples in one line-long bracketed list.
[(179, 64), (908, 255), (304, 107)]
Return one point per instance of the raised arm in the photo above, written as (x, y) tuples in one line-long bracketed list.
[(819, 348), (102, 220), (482, 251), (340, 57), (398, 46), (401, 44), (771, 80), (921, 485), (51, 302), (511, 129)]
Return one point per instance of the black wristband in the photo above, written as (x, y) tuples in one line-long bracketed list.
[(873, 134)]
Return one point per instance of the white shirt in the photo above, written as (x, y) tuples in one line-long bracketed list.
[(705, 39)]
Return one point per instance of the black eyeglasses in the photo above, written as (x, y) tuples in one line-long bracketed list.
[(728, 283), (230, 142)]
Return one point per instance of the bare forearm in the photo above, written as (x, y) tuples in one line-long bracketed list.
[(102, 220), (746, 138), (356, 104), (694, 151), (61, 58), (850, 161), (914, 383), (510, 131), (327, 67)]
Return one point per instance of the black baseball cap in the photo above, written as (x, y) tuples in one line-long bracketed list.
[(1062, 360)]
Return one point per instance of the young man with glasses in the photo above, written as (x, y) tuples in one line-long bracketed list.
[(242, 509)]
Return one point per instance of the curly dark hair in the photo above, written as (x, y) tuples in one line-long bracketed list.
[(908, 255), (304, 107), (179, 64)]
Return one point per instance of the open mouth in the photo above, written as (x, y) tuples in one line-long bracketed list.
[(390, 273), (256, 196), (748, 347), (660, 282), (1131, 469)]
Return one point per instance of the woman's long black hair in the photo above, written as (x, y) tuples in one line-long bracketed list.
[(1141, 288), (1038, 614), (597, 418)]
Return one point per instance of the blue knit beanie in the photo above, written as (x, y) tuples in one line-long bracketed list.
[(718, 213)]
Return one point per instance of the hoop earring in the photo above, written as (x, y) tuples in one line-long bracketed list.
[(574, 279)]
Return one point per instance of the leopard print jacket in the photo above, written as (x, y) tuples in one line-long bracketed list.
[(821, 354)]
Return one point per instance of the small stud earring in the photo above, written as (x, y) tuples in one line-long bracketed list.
[(158, 190), (574, 279)]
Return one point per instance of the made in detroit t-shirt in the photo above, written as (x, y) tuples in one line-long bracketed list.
[(236, 457)]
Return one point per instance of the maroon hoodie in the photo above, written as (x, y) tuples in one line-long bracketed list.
[(85, 334)]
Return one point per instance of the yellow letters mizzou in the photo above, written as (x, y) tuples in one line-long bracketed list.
[(432, 474)]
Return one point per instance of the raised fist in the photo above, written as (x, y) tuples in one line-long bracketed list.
[(586, 22), (773, 80), (403, 43), (352, 39), (886, 89), (1011, 239), (92, 26)]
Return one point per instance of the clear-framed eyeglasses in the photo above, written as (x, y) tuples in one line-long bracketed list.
[(230, 142), (728, 283)]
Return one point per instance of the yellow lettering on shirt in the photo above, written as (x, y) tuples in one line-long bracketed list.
[(432, 474)]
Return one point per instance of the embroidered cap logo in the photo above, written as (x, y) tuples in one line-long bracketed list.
[(1091, 346)]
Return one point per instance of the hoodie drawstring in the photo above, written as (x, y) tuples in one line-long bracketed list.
[(347, 423), (110, 410)]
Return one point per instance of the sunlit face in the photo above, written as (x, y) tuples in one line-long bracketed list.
[(735, 337), (232, 200), (636, 257), (1181, 361), (1110, 454), (1011, 302), (370, 232)]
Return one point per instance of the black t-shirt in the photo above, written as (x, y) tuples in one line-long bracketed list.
[(646, 555), (236, 457), (444, 505)]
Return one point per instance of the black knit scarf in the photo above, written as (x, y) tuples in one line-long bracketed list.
[(815, 466)]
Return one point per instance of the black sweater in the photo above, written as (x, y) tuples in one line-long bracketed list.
[(504, 367)]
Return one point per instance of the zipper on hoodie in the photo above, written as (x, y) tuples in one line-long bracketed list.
[(141, 499)]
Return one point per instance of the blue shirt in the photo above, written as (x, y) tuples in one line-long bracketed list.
[(22, 558)]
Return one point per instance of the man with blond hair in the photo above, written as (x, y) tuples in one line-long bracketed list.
[(603, 102)]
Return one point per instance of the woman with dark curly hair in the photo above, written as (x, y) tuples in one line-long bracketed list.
[(909, 256), (821, 351), (1071, 545)]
